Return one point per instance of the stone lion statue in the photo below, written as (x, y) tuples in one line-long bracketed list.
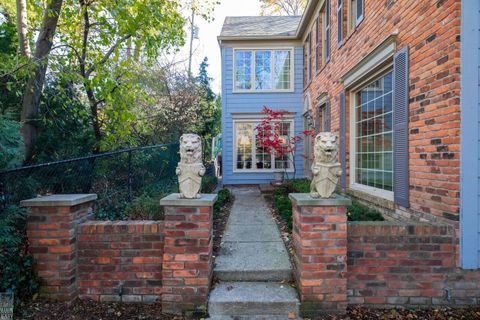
[(325, 168), (190, 169)]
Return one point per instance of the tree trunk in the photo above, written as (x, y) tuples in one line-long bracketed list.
[(22, 28), (33, 90)]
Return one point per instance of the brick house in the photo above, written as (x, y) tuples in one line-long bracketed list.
[(382, 74)]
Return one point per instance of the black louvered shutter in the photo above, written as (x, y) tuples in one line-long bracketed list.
[(400, 128), (327, 121), (343, 144), (340, 23), (317, 119)]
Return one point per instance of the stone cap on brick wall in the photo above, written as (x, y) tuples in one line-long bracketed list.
[(174, 200), (59, 200), (304, 199)]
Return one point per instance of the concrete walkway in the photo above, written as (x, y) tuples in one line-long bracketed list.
[(252, 248), (253, 265)]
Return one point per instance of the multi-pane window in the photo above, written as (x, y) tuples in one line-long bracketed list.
[(281, 70), (340, 23), (317, 43), (259, 70), (310, 56), (243, 145), (243, 70), (355, 13), (251, 156), (373, 105), (325, 14), (263, 70)]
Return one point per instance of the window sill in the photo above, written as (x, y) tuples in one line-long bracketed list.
[(261, 171), (263, 91), (373, 192)]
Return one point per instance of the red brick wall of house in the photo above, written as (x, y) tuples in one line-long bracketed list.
[(431, 30), (401, 264), (120, 261)]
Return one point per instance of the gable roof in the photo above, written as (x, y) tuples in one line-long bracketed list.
[(268, 27), (259, 27)]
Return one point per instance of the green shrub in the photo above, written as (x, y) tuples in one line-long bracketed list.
[(359, 212), (301, 185), (209, 183), (223, 197), (283, 204), (11, 144), (145, 207), (16, 262)]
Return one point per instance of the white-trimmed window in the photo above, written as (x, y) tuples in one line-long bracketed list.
[(263, 70), (372, 128), (249, 156), (355, 13), (325, 16)]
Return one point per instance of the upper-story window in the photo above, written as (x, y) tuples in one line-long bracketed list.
[(355, 13), (326, 31), (263, 70)]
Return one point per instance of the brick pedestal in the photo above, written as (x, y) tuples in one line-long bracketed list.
[(320, 242), (51, 231), (187, 258)]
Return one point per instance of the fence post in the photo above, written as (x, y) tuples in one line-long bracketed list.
[(52, 234)]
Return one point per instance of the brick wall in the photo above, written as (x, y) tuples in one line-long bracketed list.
[(120, 261), (129, 261), (187, 269), (431, 30), (53, 242), (407, 264), (319, 238)]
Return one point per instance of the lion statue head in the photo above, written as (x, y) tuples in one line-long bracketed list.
[(326, 147), (190, 148)]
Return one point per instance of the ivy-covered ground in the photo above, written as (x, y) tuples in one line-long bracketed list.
[(89, 310)]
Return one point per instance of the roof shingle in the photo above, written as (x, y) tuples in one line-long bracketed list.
[(260, 26)]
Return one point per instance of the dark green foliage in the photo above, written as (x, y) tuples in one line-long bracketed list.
[(360, 212), (300, 186), (224, 196), (11, 83), (209, 183), (11, 144), (65, 124), (16, 263), (283, 205)]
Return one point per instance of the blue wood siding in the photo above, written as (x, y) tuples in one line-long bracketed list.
[(470, 135), (254, 103)]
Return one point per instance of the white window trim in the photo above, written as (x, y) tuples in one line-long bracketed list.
[(255, 121), (253, 90), (376, 192)]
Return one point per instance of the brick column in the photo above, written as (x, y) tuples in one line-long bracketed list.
[(320, 258), (187, 258), (52, 234)]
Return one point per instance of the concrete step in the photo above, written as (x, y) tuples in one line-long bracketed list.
[(253, 300), (253, 261)]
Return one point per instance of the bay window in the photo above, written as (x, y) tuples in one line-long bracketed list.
[(263, 70), (250, 156)]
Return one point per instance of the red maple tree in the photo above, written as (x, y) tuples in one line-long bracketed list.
[(269, 136)]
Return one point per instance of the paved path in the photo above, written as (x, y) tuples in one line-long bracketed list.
[(252, 248), (252, 265)]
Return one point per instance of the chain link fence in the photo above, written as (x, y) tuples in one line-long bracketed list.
[(128, 182)]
